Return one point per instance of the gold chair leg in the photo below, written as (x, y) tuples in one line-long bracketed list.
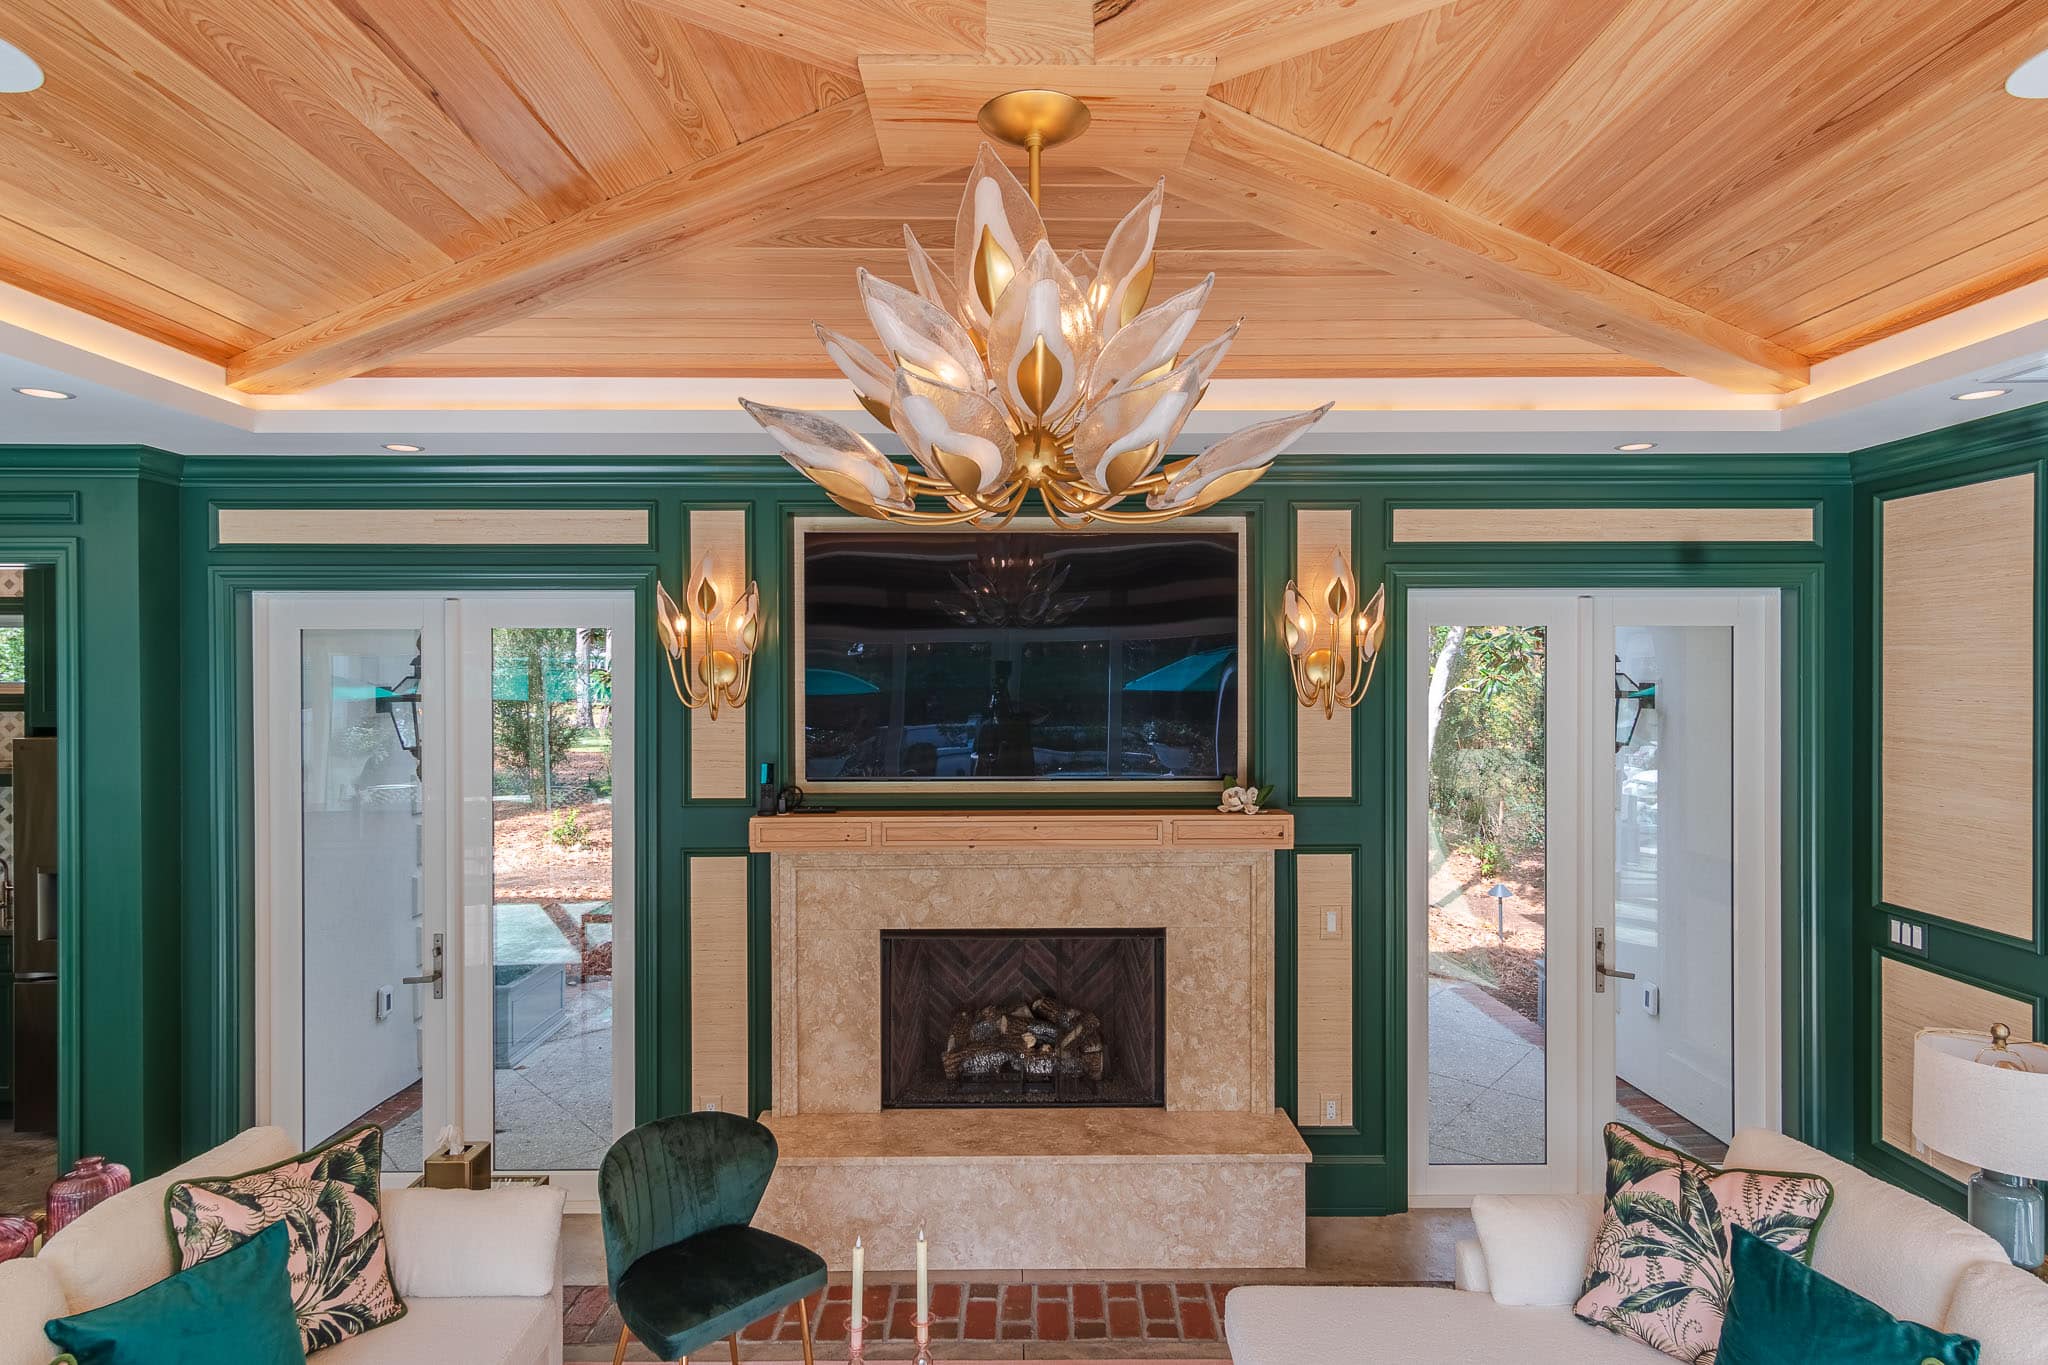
[(803, 1317), (620, 1354), (733, 1341)]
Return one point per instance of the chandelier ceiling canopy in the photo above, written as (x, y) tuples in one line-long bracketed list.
[(1018, 370)]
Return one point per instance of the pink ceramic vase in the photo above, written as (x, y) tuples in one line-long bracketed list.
[(17, 1238), (92, 1181)]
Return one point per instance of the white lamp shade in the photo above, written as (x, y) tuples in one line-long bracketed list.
[(1974, 1112)]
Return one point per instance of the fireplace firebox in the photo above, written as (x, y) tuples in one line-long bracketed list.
[(1020, 1017)]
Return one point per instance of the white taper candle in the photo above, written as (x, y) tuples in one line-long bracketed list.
[(860, 1274), (924, 1280)]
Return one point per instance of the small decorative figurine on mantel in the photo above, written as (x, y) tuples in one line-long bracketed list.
[(1244, 799)]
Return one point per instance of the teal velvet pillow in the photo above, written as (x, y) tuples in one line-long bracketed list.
[(237, 1307), (1785, 1313)]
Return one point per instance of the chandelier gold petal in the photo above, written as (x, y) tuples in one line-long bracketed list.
[(1233, 463), (994, 209), (838, 460), (1147, 348), (917, 335), (1125, 278)]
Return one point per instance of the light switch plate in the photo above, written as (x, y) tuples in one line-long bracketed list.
[(1908, 936), (1333, 924)]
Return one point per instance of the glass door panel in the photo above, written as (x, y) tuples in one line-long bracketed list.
[(551, 897), (1486, 744), (362, 815), (1674, 883)]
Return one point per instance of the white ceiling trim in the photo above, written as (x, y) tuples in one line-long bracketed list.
[(133, 389)]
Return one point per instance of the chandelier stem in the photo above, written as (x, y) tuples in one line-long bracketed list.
[(1034, 146)]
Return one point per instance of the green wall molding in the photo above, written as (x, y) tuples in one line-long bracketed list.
[(201, 699), (1992, 448)]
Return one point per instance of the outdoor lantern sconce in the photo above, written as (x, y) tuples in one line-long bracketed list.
[(713, 642), (1325, 647), (1631, 699), (401, 702)]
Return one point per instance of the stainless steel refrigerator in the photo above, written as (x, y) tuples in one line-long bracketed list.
[(35, 935)]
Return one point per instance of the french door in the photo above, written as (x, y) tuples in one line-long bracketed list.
[(1592, 807), (443, 832)]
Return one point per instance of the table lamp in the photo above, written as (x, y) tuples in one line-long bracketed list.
[(1988, 1105)]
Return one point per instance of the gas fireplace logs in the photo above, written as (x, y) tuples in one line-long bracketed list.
[(1037, 1039)]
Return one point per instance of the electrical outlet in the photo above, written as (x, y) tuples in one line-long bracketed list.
[(710, 1104), (1333, 1109)]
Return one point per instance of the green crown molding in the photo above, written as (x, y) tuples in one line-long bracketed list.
[(2021, 433)]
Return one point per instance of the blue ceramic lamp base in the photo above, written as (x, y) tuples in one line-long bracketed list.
[(2013, 1211)]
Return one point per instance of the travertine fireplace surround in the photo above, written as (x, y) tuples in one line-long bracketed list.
[(1216, 1180)]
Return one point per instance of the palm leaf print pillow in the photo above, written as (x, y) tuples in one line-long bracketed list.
[(327, 1199), (1662, 1269)]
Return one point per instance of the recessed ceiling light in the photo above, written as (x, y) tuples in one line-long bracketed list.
[(1638, 445), (19, 73), (403, 449), (27, 392), (1979, 395), (2030, 82)]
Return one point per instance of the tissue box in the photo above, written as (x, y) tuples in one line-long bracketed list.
[(466, 1168)]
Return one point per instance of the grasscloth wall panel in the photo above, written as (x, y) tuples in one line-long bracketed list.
[(1956, 758), (433, 526), (1909, 999), (718, 984), (1324, 1005), (1600, 525), (718, 748), (1322, 743)]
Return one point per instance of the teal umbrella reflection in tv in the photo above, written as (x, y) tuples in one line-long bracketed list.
[(833, 682), (1204, 672)]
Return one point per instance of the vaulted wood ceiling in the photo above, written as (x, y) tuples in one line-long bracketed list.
[(303, 190)]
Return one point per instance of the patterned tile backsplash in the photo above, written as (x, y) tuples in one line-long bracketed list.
[(12, 582), (7, 823)]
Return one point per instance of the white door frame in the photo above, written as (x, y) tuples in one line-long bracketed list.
[(1580, 885), (278, 621), (455, 659), (472, 619)]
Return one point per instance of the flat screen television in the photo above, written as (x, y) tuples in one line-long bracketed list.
[(1025, 656)]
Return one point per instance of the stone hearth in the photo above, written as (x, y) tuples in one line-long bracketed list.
[(1215, 1179)]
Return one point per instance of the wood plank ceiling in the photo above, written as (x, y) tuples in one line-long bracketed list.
[(307, 189)]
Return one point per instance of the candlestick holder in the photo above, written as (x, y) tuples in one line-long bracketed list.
[(924, 1341), (856, 1337)]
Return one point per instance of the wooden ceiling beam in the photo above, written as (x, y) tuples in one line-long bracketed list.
[(1243, 35), (836, 34), (1324, 198), (813, 165), (1040, 30)]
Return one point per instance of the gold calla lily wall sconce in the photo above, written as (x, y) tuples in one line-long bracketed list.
[(1334, 642), (710, 642)]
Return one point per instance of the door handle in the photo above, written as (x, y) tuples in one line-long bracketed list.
[(1601, 971), (433, 978)]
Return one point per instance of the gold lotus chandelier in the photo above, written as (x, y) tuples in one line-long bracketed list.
[(1022, 371)]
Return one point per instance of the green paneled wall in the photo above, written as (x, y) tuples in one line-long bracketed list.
[(1997, 447), (188, 871)]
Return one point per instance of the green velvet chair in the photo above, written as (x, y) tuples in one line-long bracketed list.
[(676, 1197)]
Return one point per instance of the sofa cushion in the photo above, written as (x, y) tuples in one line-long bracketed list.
[(1536, 1246), (1328, 1325), (237, 1307), (118, 1247), (1660, 1269), (2005, 1309), (497, 1243), (473, 1331), (327, 1200), (1893, 1248), (30, 1295), (1783, 1312)]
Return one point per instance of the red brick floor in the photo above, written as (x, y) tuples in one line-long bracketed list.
[(1092, 1311)]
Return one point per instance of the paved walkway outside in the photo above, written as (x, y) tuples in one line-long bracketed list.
[(1486, 1081)]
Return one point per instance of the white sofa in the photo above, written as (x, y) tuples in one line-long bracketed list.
[(1517, 1281), (480, 1271)]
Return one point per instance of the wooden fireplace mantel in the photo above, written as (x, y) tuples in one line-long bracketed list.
[(873, 831)]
